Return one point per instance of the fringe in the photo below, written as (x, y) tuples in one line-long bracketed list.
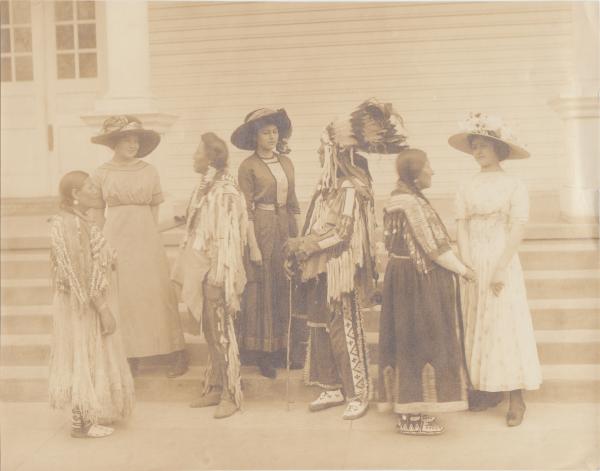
[(234, 377)]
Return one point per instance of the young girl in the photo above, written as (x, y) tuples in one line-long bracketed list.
[(492, 209), (88, 367)]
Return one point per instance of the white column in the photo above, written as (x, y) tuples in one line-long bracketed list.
[(579, 107)]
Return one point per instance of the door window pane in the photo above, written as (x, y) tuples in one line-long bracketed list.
[(21, 12), (63, 11), (64, 37), (5, 40), (22, 39), (65, 65), (86, 35), (86, 10), (88, 65), (5, 69), (4, 15), (23, 68)]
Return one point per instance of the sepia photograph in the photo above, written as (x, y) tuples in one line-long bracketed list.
[(270, 235)]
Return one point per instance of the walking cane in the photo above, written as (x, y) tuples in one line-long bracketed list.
[(289, 336)]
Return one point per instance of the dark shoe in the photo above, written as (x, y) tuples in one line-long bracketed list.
[(266, 367), (134, 366), (179, 366), (211, 398), (226, 408), (515, 413)]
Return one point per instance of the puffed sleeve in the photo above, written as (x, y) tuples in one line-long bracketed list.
[(519, 204), (157, 193), (460, 204), (247, 185)]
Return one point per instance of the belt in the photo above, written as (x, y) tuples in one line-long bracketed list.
[(402, 257), (269, 206)]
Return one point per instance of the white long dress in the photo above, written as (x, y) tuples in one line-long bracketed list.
[(500, 344)]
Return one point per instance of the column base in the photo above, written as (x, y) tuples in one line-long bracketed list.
[(579, 205)]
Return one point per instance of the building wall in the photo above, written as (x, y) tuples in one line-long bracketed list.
[(213, 63)]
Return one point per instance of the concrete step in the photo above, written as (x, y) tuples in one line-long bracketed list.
[(554, 347), (535, 255), (540, 284), (547, 314), (562, 383)]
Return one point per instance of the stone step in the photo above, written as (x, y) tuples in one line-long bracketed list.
[(562, 383), (547, 314), (554, 347), (535, 255), (541, 284)]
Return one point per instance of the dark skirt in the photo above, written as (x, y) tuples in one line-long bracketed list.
[(262, 325), (421, 355)]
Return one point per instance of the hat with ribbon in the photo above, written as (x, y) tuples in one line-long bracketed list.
[(116, 127)]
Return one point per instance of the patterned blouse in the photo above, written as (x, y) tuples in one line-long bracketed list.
[(413, 229)]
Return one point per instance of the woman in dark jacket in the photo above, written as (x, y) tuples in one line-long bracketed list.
[(267, 180)]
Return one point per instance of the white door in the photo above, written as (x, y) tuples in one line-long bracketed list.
[(43, 136)]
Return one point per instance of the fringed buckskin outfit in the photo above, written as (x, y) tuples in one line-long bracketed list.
[(339, 280), (421, 359), (88, 371), (210, 270)]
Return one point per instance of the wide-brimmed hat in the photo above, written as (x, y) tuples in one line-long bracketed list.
[(117, 127), (491, 127), (244, 136)]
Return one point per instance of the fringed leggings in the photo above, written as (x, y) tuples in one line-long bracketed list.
[(223, 371), (337, 351)]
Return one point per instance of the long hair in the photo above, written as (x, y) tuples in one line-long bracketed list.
[(409, 165), (71, 181)]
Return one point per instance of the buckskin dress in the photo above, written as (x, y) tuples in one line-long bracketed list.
[(147, 300)]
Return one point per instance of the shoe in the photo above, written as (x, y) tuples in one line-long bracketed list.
[(266, 367), (514, 416), (211, 398), (418, 424), (326, 400), (355, 410), (179, 366), (482, 400), (226, 408), (93, 431)]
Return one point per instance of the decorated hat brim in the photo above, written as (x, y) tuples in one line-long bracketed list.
[(244, 139), (460, 142), (149, 140)]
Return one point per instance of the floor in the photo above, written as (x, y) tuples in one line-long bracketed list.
[(171, 436)]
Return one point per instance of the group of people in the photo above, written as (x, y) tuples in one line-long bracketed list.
[(265, 287)]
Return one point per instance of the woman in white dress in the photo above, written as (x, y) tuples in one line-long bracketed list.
[(492, 208)]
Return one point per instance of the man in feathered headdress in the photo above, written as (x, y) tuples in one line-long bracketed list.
[(335, 259)]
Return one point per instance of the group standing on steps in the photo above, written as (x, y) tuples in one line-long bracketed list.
[(264, 287)]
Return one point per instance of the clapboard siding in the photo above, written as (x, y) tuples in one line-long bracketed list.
[(212, 63)]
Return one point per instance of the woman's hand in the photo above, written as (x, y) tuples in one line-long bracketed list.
[(498, 280), (107, 322), (255, 255), (469, 274)]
